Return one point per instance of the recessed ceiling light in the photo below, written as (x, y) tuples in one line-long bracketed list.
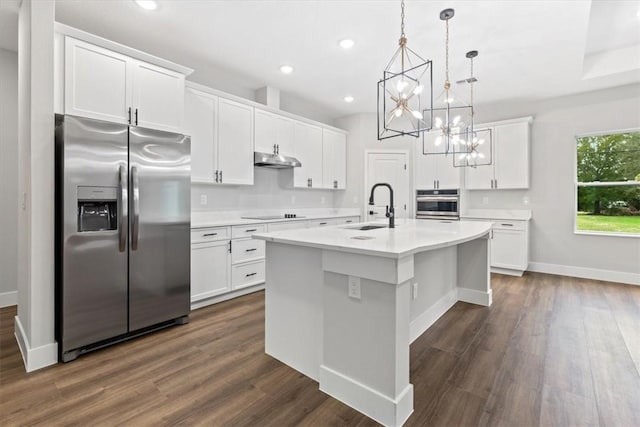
[(348, 98), (287, 69), (147, 4), (347, 43)]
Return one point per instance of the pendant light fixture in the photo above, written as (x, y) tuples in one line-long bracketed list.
[(450, 115), (476, 149), (406, 81)]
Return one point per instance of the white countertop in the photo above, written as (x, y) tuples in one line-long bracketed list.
[(410, 236), (506, 214), (229, 218)]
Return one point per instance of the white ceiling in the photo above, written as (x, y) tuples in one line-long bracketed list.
[(529, 50)]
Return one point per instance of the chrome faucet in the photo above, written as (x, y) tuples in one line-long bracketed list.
[(390, 211)]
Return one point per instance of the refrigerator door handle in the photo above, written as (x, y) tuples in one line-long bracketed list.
[(135, 223), (123, 207)]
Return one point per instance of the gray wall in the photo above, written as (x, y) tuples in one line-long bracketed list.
[(8, 175), (556, 122)]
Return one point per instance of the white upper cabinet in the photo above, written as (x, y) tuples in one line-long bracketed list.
[(105, 85), (510, 166), (200, 110), (97, 82), (158, 97), (265, 132), (334, 159), (308, 150), (435, 171), (235, 142), (284, 135)]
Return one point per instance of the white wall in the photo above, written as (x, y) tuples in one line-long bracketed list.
[(8, 177), (551, 194), (270, 191)]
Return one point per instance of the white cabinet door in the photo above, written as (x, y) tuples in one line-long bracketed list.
[(235, 142), (210, 269), (340, 161), (284, 135), (448, 176), (308, 149), (200, 124), (425, 170), (97, 82), (512, 155), (328, 156), (481, 177), (508, 249), (158, 97), (265, 132)]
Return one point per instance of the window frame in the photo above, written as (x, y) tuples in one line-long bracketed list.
[(577, 184)]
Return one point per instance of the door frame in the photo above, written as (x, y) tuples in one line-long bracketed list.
[(367, 186)]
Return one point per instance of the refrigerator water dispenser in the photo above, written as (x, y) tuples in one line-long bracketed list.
[(97, 209)]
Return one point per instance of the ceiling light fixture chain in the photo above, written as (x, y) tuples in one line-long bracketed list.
[(447, 83), (402, 34)]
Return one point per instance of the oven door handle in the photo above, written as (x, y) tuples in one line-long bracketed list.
[(437, 199)]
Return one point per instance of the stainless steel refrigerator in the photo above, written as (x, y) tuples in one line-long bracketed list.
[(122, 232)]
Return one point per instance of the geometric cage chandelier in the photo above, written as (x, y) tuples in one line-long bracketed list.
[(476, 147), (405, 90), (450, 115)]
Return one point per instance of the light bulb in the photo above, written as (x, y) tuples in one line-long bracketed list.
[(474, 154), (481, 142), (455, 140), (398, 112), (403, 95), (456, 119), (401, 85), (475, 139), (438, 141), (463, 156), (481, 155), (438, 122), (418, 89), (448, 100), (417, 114)]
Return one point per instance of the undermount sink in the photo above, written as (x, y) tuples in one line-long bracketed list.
[(367, 227)]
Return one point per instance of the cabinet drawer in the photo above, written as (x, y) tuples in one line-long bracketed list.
[(508, 225), (239, 231), (201, 235), (247, 274), (289, 225), (349, 220), (322, 222), (246, 250)]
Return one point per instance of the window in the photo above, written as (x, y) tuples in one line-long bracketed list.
[(608, 183)]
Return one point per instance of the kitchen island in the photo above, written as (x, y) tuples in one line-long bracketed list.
[(343, 304)]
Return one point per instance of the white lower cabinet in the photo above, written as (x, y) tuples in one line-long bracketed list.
[(210, 269), (321, 222), (247, 274), (509, 245)]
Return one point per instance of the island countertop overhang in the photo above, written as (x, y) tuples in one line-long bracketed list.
[(409, 237)]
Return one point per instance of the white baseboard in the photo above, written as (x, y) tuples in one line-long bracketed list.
[(586, 273), (475, 297), (370, 402), (507, 271), (8, 299), (34, 358), (433, 313), (224, 297)]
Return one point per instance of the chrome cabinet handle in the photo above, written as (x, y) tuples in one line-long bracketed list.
[(507, 225), (348, 221), (209, 234), (123, 224), (251, 230), (251, 250), (135, 224), (323, 223), (250, 274)]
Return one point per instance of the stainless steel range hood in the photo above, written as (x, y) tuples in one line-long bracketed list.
[(275, 161)]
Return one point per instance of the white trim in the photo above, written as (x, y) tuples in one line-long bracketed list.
[(34, 358), (606, 132), (508, 271), (367, 186), (586, 273), (8, 299), (605, 233), (423, 322), (120, 48), (528, 119), (226, 296), (370, 402), (473, 296), (630, 183)]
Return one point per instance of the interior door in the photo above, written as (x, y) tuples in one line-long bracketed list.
[(159, 217), (200, 124), (390, 168)]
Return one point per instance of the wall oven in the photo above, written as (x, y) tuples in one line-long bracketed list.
[(438, 204)]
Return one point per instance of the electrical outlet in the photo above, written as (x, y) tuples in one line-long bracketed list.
[(354, 287), (485, 200), (525, 200), (203, 200), (323, 200), (414, 290)]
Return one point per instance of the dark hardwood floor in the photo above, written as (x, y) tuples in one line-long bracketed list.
[(551, 350)]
